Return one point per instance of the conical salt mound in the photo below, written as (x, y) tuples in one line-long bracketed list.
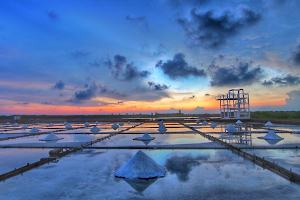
[(231, 128), (141, 166), (161, 122), (121, 124), (271, 136), (7, 123), (145, 137), (115, 126), (213, 125), (15, 125), (34, 130), (239, 122), (162, 128), (128, 122), (86, 124), (96, 122), (197, 121), (51, 137), (205, 122), (24, 126), (69, 126), (51, 124), (65, 123), (95, 129), (268, 124)]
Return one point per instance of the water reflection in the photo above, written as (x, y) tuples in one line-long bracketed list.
[(140, 185)]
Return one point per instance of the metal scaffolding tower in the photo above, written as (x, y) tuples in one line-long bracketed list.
[(234, 105)]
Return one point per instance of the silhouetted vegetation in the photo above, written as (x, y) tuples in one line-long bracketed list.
[(278, 115)]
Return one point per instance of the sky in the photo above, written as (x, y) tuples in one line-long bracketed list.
[(115, 56)]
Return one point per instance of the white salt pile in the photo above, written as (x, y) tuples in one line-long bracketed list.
[(231, 128), (271, 136), (161, 122), (95, 129), (65, 123), (69, 126), (51, 137), (24, 126), (162, 128), (96, 122), (51, 124), (86, 124), (121, 124), (34, 130), (128, 122), (239, 122), (141, 166), (213, 125), (205, 122), (145, 137), (15, 125), (115, 126), (7, 123), (268, 124), (197, 121)]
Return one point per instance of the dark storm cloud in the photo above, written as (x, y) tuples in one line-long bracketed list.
[(124, 71), (154, 86), (59, 85), (52, 15), (242, 74), (179, 68), (284, 81), (295, 57), (183, 165), (84, 94), (210, 31)]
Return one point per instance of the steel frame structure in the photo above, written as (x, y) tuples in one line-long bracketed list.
[(234, 105)]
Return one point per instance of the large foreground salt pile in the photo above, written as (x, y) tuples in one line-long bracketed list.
[(231, 128), (141, 166), (51, 137), (271, 136), (34, 130), (145, 137), (95, 129)]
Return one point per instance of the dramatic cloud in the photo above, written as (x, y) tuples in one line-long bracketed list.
[(183, 165), (59, 85), (295, 57), (179, 68), (288, 80), (84, 94), (52, 15), (47, 103), (211, 31), (124, 71), (242, 74), (154, 86)]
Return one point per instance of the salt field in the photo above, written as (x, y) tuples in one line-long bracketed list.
[(221, 173)]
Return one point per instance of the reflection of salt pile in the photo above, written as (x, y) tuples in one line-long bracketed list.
[(141, 166), (145, 137), (205, 122), (128, 122), (271, 136), (140, 185), (86, 124), (230, 128), (24, 126), (115, 126), (162, 128), (96, 122), (121, 124), (69, 126), (213, 125), (51, 124), (197, 121), (239, 122), (268, 124), (51, 137), (34, 130), (15, 125), (7, 123), (95, 129)]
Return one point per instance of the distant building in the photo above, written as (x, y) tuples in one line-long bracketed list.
[(17, 117), (234, 105)]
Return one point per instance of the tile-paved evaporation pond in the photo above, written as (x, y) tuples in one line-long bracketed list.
[(200, 174)]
